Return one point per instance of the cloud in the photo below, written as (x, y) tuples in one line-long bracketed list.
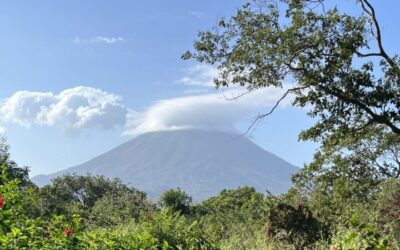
[(199, 75), (197, 14), (219, 110), (207, 112), (99, 39), (83, 108), (2, 130), (193, 91), (70, 110)]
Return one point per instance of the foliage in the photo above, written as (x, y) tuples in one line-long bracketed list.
[(93, 197), (342, 72), (176, 200), (349, 84), (389, 209), (335, 193), (121, 237), (293, 224), (174, 231), (161, 230), (362, 236), (18, 230), (13, 170), (325, 51), (122, 218), (63, 229), (233, 213), (120, 206)]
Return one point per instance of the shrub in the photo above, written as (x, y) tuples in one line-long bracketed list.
[(292, 224), (359, 235), (174, 231)]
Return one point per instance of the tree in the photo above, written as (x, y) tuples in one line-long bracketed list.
[(73, 194), (341, 67), (342, 73), (120, 207), (176, 200), (11, 167)]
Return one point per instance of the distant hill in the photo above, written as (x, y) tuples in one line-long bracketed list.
[(200, 162)]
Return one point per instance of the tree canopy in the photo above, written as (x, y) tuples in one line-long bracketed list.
[(177, 200), (338, 62)]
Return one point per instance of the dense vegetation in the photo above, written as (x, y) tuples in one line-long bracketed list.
[(348, 197), (92, 212)]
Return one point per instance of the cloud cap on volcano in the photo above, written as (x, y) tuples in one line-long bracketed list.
[(219, 111)]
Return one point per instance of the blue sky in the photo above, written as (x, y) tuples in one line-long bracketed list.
[(126, 56)]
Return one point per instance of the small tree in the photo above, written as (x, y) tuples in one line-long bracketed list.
[(120, 207), (176, 200)]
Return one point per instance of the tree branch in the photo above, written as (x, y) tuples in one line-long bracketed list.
[(239, 95), (381, 119), (371, 12), (368, 54), (261, 116)]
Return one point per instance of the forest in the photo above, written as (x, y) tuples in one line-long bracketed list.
[(347, 197)]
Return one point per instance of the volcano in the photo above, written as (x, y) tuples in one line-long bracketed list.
[(202, 163)]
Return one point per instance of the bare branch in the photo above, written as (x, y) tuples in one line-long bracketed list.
[(369, 9), (240, 95), (368, 55), (365, 8), (261, 116)]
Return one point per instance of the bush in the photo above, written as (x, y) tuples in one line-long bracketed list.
[(174, 231), (18, 230), (233, 214), (358, 235), (119, 237), (292, 224)]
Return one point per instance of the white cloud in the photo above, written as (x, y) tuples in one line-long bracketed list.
[(2, 130), (197, 14), (207, 112), (199, 75), (70, 110), (204, 110), (99, 39), (80, 108)]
